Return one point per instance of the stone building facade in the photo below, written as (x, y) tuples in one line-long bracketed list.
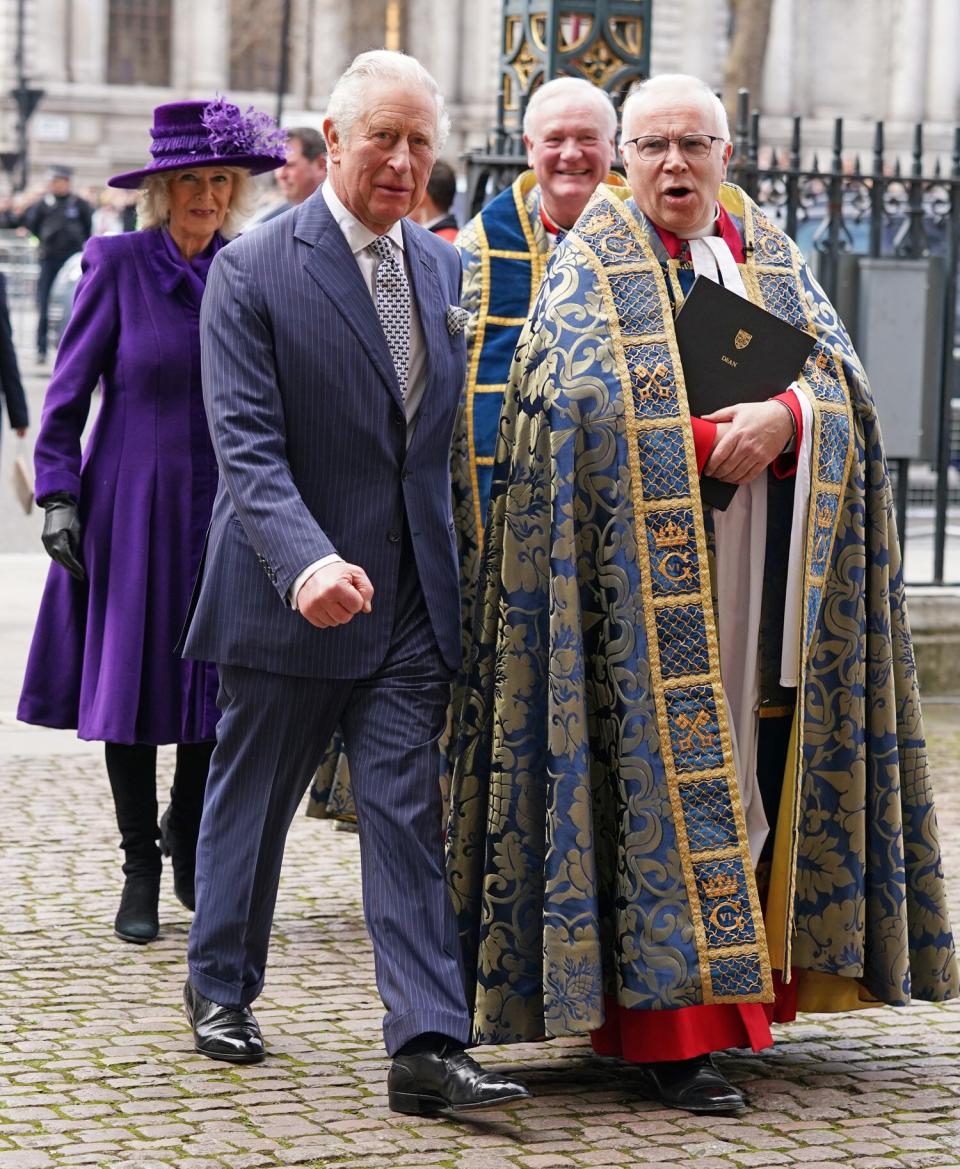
[(104, 64), (863, 60)]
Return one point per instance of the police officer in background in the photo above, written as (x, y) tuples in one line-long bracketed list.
[(62, 222)]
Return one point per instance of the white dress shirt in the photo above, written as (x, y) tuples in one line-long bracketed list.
[(359, 238)]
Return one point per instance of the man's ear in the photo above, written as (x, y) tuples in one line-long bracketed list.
[(529, 145), (334, 146)]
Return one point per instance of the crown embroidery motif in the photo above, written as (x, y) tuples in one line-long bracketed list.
[(723, 885)]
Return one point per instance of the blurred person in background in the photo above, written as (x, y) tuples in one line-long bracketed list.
[(116, 212), (11, 387), (125, 520), (9, 216), (435, 211), (302, 173), (62, 223), (306, 165)]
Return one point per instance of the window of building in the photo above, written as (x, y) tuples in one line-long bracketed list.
[(256, 29), (139, 42)]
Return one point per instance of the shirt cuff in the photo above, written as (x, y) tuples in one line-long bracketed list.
[(704, 436), (785, 466), (304, 576)]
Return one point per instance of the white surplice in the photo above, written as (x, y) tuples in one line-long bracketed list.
[(741, 537)]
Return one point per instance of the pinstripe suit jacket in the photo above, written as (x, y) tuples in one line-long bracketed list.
[(307, 422)]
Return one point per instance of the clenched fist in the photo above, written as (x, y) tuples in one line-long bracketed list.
[(334, 595)]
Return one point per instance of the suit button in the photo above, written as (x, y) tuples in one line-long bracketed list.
[(398, 418), (405, 473), (393, 536)]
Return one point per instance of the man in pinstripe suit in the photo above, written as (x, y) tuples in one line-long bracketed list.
[(332, 367)]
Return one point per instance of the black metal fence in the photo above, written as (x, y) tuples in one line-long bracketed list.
[(895, 207), (905, 207)]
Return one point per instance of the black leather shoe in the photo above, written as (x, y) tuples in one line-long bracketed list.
[(183, 856), (137, 918), (433, 1081), (694, 1085), (230, 1033)]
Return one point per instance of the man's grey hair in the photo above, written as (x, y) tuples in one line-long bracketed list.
[(346, 102), (153, 199), (574, 89), (680, 86)]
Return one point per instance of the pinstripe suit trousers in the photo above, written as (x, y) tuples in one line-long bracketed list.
[(270, 737)]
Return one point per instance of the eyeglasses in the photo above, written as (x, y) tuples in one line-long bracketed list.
[(652, 147)]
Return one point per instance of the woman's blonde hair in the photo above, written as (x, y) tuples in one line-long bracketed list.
[(153, 199)]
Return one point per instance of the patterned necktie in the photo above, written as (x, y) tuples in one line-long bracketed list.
[(393, 306)]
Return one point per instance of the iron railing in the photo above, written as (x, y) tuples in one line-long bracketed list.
[(886, 210), (894, 210)]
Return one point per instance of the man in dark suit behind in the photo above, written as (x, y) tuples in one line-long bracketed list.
[(333, 358)]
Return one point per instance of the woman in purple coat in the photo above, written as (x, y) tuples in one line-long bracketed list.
[(125, 521)]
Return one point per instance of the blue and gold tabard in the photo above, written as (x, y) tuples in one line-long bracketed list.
[(504, 252), (597, 839)]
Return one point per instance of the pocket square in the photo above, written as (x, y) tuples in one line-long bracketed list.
[(457, 318)]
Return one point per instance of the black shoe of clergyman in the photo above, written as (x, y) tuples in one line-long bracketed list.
[(694, 1085), (230, 1033), (433, 1081)]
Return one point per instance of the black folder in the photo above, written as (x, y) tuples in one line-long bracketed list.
[(733, 351)]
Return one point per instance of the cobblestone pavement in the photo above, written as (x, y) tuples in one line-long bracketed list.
[(97, 1068)]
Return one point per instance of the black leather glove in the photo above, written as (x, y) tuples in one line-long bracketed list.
[(61, 533)]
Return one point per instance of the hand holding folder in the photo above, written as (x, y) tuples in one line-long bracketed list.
[(733, 351)]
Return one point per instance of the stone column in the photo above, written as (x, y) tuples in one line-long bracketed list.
[(943, 78), (200, 63), (705, 34), (688, 36), (435, 36), (480, 32), (367, 24), (45, 39), (779, 73), (330, 49), (911, 31)]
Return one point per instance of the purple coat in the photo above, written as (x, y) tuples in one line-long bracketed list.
[(103, 656)]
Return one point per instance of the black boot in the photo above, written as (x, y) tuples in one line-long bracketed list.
[(138, 919), (133, 781), (180, 824)]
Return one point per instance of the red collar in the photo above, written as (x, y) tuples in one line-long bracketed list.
[(548, 223), (728, 233)]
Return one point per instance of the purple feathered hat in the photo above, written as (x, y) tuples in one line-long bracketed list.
[(214, 133)]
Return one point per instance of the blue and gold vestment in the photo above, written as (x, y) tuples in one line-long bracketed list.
[(504, 251), (597, 841)]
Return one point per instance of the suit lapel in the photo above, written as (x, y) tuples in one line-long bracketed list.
[(333, 266), (430, 307)]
